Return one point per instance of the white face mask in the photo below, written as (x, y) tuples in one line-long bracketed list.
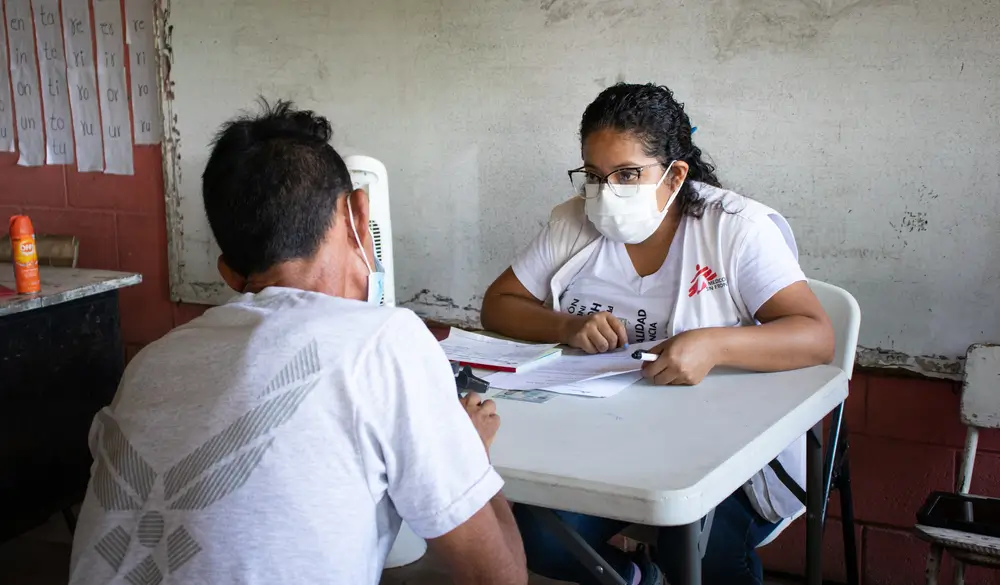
[(376, 278), (632, 215)]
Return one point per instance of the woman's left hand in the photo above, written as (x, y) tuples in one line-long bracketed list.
[(685, 359)]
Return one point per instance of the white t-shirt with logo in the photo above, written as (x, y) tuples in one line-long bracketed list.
[(279, 438), (609, 281)]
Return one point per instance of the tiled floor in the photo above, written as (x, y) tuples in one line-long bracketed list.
[(42, 558)]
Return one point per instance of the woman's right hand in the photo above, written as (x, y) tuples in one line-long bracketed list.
[(595, 333)]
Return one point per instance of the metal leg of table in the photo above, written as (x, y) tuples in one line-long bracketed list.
[(814, 506), (691, 567), (847, 520), (832, 454), (583, 552)]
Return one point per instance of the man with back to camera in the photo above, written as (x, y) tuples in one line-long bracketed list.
[(281, 437)]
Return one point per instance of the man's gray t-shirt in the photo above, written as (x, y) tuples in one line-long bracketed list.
[(278, 439)]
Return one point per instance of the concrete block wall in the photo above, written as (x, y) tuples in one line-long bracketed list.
[(906, 441), (120, 222)]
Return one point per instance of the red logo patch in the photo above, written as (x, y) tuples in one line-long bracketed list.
[(704, 277)]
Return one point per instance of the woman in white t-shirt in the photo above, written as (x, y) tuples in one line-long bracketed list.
[(652, 248)]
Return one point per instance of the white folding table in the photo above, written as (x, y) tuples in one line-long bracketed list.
[(664, 455)]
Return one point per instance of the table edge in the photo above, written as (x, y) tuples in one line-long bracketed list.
[(116, 281), (642, 506)]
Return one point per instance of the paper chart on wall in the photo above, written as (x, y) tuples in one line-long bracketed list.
[(142, 67), (24, 83), (83, 97), (55, 103), (6, 107), (115, 120)]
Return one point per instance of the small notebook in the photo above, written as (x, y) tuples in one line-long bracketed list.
[(482, 351)]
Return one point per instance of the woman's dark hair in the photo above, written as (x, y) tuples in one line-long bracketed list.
[(651, 113)]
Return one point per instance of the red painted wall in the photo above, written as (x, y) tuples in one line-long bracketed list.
[(906, 436), (906, 441), (120, 222)]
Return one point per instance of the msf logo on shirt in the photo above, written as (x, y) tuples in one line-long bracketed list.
[(149, 506), (705, 279)]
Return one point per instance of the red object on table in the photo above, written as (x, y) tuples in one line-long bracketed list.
[(24, 254)]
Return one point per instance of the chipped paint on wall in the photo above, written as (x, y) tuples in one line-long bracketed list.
[(443, 309), (604, 13), (214, 292), (934, 366), (171, 145), (597, 14), (759, 24), (913, 221)]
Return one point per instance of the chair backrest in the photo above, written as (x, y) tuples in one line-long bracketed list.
[(981, 387), (845, 314), (53, 250), (980, 404)]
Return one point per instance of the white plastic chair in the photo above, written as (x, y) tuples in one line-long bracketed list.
[(980, 410), (845, 314)]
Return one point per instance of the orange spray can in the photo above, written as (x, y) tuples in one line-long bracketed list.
[(22, 244)]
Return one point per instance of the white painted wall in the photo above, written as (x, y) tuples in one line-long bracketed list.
[(873, 125)]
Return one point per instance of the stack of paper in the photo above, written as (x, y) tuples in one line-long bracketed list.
[(481, 351), (599, 376)]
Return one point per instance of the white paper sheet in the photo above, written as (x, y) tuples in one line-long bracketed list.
[(142, 66), (598, 387), (115, 120), (600, 375), (55, 101), (24, 83), (83, 97), (6, 106), (562, 371), (463, 346)]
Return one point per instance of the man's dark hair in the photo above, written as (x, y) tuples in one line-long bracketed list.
[(271, 186)]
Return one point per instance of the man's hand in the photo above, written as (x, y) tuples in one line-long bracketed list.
[(685, 359), (595, 333), (484, 417)]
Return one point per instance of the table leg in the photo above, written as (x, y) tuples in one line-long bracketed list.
[(691, 565), (830, 462), (814, 506), (579, 548)]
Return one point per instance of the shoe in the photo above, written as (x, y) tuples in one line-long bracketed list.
[(651, 574)]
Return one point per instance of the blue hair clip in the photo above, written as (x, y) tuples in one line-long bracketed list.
[(694, 129)]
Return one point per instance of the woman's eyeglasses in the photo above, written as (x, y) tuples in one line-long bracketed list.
[(581, 177)]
